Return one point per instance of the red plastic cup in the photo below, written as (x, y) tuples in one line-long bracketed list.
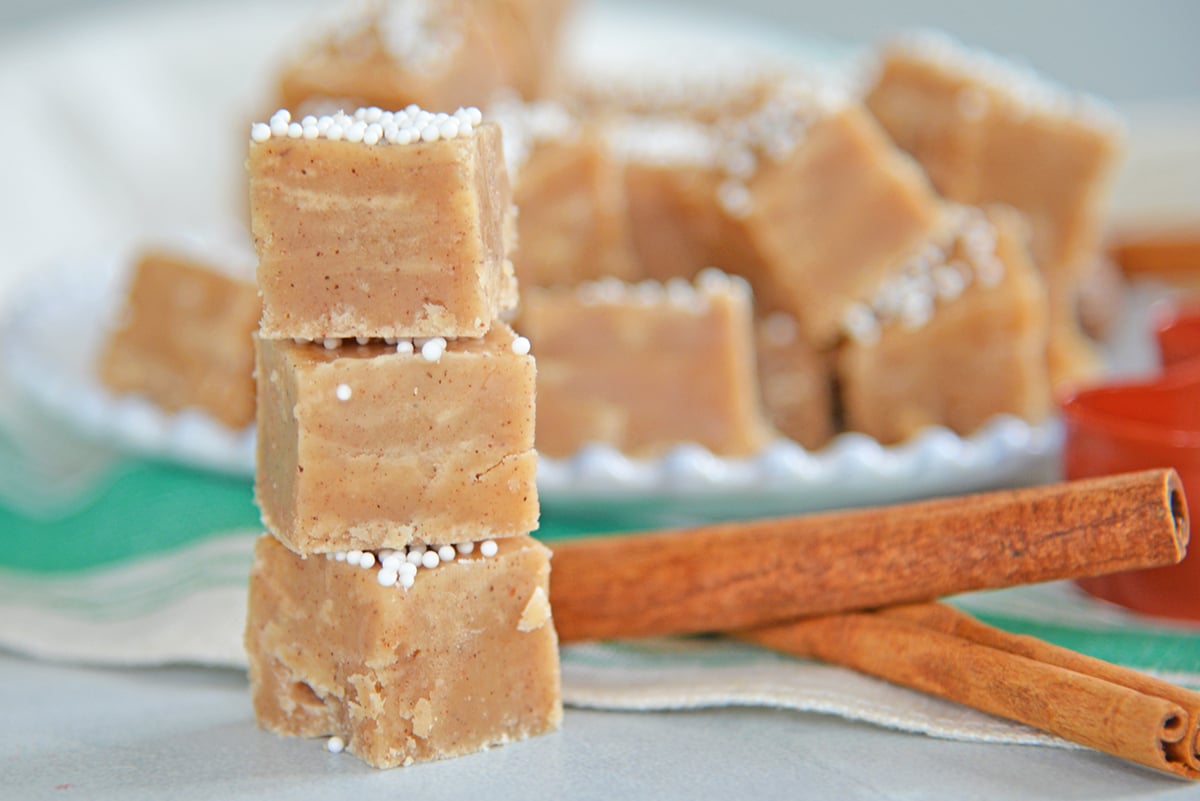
[(1177, 330), (1137, 426)]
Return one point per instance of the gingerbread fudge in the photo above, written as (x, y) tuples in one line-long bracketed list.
[(183, 338), (647, 366), (795, 381), (379, 445), (434, 53), (989, 131), (573, 221), (955, 337), (404, 666), (381, 224)]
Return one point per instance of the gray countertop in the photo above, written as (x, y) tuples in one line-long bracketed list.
[(189, 733)]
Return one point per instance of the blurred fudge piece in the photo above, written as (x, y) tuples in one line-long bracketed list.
[(956, 336), (804, 196), (462, 658), (795, 381), (184, 337), (573, 221), (381, 224), (988, 131), (434, 53), (645, 367), (378, 445)]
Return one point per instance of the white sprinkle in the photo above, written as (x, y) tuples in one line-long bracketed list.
[(735, 199), (362, 340), (372, 135), (373, 114), (446, 553), (387, 577), (406, 581), (353, 557), (367, 559), (356, 132), (414, 557), (448, 129), (344, 392), (324, 122), (334, 132), (474, 115), (279, 127), (336, 745), (295, 130), (464, 547), (392, 561), (300, 340), (489, 548), (860, 324), (430, 133), (311, 132), (260, 132), (390, 340), (332, 343), (407, 569), (430, 559), (339, 556), (520, 346), (404, 346), (433, 349)]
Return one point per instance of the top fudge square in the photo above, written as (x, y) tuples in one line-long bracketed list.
[(381, 224)]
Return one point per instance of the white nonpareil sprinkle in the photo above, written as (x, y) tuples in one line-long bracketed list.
[(399, 567), (335, 744), (371, 126), (520, 346), (332, 343), (344, 392), (432, 349)]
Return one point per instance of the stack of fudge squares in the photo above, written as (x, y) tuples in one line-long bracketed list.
[(397, 603)]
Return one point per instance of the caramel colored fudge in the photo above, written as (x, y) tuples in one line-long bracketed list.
[(434, 53), (989, 132), (804, 196), (377, 445), (364, 228), (463, 659), (645, 367), (957, 336), (573, 222), (796, 381), (183, 339)]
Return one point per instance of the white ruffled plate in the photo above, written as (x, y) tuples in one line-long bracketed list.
[(57, 370)]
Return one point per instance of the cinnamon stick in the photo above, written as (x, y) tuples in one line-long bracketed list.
[(947, 619), (1166, 254), (914, 650), (746, 574)]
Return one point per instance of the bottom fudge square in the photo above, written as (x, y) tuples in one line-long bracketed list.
[(456, 658), (378, 445)]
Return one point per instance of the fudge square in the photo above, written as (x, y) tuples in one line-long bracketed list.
[(796, 381), (381, 224), (644, 367), (573, 221), (377, 445), (462, 658), (972, 348), (185, 337)]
